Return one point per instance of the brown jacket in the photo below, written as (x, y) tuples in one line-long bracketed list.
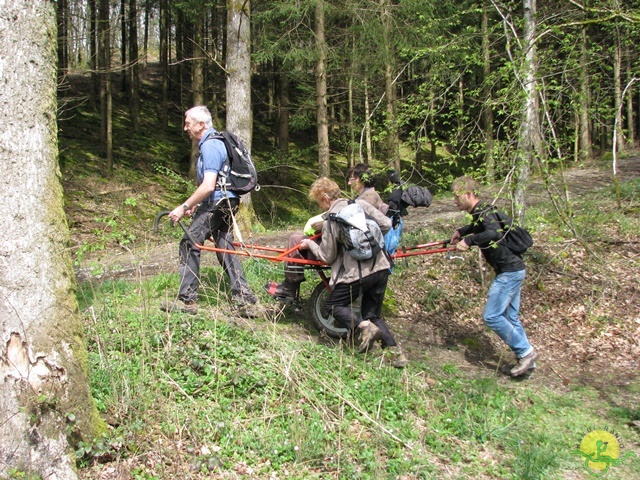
[(370, 195), (332, 253)]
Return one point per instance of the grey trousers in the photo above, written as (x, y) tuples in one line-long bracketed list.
[(213, 222)]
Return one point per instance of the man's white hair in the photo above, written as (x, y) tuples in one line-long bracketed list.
[(200, 113)]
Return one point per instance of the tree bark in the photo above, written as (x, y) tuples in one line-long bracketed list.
[(45, 398), (321, 93)]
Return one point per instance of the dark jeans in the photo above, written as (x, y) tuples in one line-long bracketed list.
[(373, 288), (214, 222)]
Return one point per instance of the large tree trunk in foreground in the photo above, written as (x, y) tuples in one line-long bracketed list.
[(44, 398)]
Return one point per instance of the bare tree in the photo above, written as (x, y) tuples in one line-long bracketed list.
[(45, 398)]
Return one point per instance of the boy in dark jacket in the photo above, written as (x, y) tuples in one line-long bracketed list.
[(503, 300)]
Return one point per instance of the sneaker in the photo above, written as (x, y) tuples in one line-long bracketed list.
[(281, 292), (397, 358), (369, 333), (179, 306), (524, 364)]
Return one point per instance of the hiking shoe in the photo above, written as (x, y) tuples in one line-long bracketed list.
[(369, 333), (246, 305), (251, 310), (281, 292), (524, 364), (179, 306), (396, 356), (244, 299)]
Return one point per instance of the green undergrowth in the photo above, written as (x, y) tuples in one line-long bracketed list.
[(207, 395)]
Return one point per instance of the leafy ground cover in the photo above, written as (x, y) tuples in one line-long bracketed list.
[(218, 396)]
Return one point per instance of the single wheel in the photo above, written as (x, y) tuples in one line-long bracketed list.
[(325, 323)]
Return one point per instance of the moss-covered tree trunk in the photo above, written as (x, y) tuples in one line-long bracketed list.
[(44, 399)]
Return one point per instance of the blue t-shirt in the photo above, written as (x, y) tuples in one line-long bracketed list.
[(213, 155)]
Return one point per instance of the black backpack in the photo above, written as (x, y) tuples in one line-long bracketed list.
[(238, 174), (516, 238)]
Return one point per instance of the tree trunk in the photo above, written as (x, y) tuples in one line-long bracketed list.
[(93, 53), (134, 83), (45, 399), (352, 134), (393, 142), (584, 130), (197, 87), (631, 133), (321, 92), (134, 78), (124, 44), (617, 87), (104, 56), (164, 62), (63, 38), (147, 17), (529, 134), (239, 113), (367, 125), (487, 110), (283, 114)]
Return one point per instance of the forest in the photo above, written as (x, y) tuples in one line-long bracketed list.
[(538, 100)]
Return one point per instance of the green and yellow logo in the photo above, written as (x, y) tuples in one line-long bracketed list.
[(600, 450)]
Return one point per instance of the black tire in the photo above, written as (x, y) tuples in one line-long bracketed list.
[(326, 324)]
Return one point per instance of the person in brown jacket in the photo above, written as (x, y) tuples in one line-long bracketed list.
[(351, 278), (362, 181)]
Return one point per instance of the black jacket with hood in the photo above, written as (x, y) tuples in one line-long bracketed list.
[(486, 231)]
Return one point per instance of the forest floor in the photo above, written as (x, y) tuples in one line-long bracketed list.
[(560, 300)]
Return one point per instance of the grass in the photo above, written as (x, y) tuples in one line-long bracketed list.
[(203, 396)]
